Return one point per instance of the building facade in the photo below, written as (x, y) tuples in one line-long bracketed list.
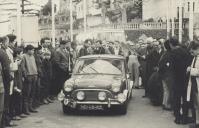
[(156, 9), (62, 22)]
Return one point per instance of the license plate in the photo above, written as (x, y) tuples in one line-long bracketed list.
[(91, 107)]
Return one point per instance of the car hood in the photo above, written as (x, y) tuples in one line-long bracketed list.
[(96, 81)]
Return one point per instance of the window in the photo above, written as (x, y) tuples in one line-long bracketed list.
[(63, 18), (45, 21), (40, 21), (56, 21), (178, 12), (188, 6), (193, 6), (99, 66), (49, 21)]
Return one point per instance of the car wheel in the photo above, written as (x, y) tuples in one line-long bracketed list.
[(66, 109)]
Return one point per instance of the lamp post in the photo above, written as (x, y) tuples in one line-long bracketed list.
[(71, 20), (19, 22), (85, 13), (53, 22), (103, 12), (180, 21), (172, 19), (168, 19), (191, 21)]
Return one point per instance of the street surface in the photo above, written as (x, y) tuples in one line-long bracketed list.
[(141, 114)]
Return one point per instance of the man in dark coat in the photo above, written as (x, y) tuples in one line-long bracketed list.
[(167, 76), (38, 60), (152, 60), (4, 59), (17, 97), (142, 60), (181, 59), (110, 48), (5, 72), (85, 49), (99, 49), (61, 61)]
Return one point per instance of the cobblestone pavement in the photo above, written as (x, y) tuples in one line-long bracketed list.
[(141, 114)]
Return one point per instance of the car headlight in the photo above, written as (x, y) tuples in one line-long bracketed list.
[(102, 96), (68, 87), (80, 95), (116, 87), (121, 97)]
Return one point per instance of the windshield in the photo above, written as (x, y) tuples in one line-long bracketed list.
[(99, 66)]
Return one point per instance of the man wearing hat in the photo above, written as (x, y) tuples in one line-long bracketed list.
[(30, 74), (62, 64)]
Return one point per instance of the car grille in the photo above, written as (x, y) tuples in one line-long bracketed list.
[(91, 95)]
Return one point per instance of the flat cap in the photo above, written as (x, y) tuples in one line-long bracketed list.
[(29, 47), (64, 42)]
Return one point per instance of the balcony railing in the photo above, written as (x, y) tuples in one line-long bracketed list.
[(114, 27), (135, 26), (131, 26)]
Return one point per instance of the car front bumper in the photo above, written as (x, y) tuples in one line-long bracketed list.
[(67, 101)]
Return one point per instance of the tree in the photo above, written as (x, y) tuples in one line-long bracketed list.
[(125, 10), (46, 10), (134, 11)]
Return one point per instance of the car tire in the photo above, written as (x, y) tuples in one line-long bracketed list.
[(66, 109)]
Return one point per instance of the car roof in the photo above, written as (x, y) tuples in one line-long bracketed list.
[(104, 56)]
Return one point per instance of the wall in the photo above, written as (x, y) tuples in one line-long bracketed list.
[(155, 9), (91, 9), (94, 20), (30, 35), (4, 28)]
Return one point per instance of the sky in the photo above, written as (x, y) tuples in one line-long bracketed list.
[(13, 6), (43, 2), (40, 2)]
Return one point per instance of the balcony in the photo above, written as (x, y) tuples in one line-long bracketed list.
[(131, 26), (61, 25)]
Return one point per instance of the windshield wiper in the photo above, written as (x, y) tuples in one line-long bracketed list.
[(94, 70)]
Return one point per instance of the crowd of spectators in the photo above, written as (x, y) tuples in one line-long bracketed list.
[(169, 71), (33, 76)]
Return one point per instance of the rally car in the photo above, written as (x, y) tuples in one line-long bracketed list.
[(98, 82)]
